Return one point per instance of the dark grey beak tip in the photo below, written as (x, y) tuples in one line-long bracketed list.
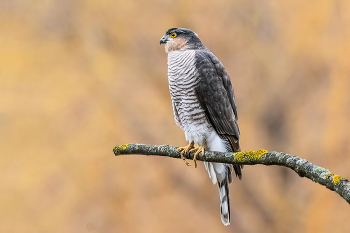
[(162, 41)]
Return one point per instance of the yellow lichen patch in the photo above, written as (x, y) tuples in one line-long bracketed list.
[(249, 155), (329, 175), (120, 148), (337, 178)]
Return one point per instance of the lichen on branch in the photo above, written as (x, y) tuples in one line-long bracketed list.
[(301, 166)]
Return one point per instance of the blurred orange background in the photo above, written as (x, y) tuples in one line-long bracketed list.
[(79, 77)]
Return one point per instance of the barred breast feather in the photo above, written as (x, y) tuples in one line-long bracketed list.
[(183, 79)]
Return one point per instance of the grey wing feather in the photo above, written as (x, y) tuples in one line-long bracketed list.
[(215, 94), (221, 71)]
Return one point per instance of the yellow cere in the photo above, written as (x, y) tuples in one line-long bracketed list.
[(249, 155)]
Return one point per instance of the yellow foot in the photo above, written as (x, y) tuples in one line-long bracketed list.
[(184, 150), (197, 150)]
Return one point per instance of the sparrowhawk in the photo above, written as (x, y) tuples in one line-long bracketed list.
[(203, 105)]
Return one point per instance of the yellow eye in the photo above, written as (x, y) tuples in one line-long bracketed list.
[(173, 35)]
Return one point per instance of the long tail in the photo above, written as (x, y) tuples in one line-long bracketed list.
[(221, 173), (224, 201)]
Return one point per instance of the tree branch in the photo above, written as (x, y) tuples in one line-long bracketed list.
[(301, 166)]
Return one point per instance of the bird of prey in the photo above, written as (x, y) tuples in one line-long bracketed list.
[(203, 105)]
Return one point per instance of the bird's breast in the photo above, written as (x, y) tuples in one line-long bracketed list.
[(183, 79)]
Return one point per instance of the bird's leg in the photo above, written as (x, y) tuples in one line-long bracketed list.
[(184, 150), (197, 150)]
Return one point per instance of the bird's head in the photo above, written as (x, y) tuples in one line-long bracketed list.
[(180, 39)]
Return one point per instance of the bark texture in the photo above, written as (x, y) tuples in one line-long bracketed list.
[(301, 166)]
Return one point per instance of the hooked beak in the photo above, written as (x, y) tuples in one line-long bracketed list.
[(163, 40)]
